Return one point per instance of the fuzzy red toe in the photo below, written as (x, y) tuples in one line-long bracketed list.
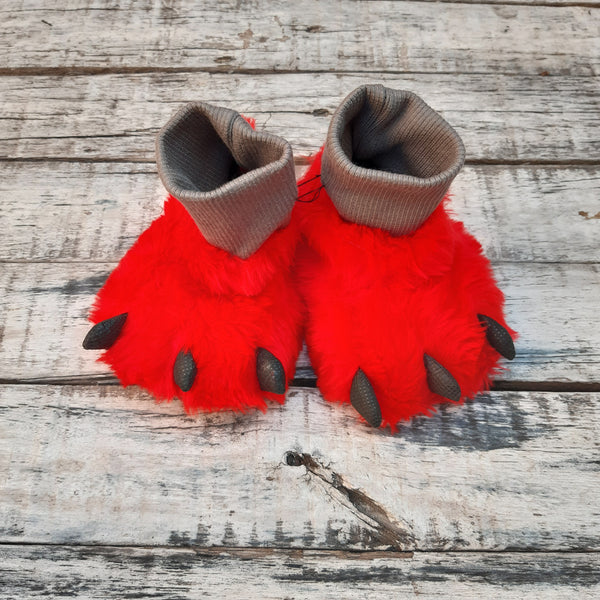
[(380, 302)]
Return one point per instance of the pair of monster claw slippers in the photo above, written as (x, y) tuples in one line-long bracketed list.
[(397, 303)]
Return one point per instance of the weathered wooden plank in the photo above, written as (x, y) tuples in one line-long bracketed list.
[(301, 36), (43, 308), (75, 211), (95, 211), (103, 572), (101, 465), (115, 117)]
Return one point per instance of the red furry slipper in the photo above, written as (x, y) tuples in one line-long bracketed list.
[(404, 312), (203, 306)]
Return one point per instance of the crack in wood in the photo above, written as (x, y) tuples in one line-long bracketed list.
[(388, 531)]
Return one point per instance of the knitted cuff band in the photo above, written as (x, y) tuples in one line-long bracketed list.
[(389, 159), (238, 184)]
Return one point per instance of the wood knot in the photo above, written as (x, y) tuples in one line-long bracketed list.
[(294, 459)]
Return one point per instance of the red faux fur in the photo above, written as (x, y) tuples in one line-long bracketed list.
[(379, 302), (181, 293)]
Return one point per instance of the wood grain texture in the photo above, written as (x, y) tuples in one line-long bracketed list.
[(301, 36), (95, 211), (43, 308), (116, 117), (173, 574), (102, 465)]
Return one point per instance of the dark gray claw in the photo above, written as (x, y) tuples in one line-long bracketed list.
[(497, 336), (270, 373), (104, 334), (184, 371), (440, 380), (364, 400)]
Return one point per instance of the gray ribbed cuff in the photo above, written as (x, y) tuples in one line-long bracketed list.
[(238, 184), (389, 159)]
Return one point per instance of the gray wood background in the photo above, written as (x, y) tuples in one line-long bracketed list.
[(105, 494)]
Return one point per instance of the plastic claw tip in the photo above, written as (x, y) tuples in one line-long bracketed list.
[(270, 373), (498, 337), (440, 380), (104, 334), (364, 400), (184, 371)]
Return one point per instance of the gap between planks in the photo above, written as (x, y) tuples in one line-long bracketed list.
[(249, 552), (305, 159), (77, 71), (305, 378), (261, 551)]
